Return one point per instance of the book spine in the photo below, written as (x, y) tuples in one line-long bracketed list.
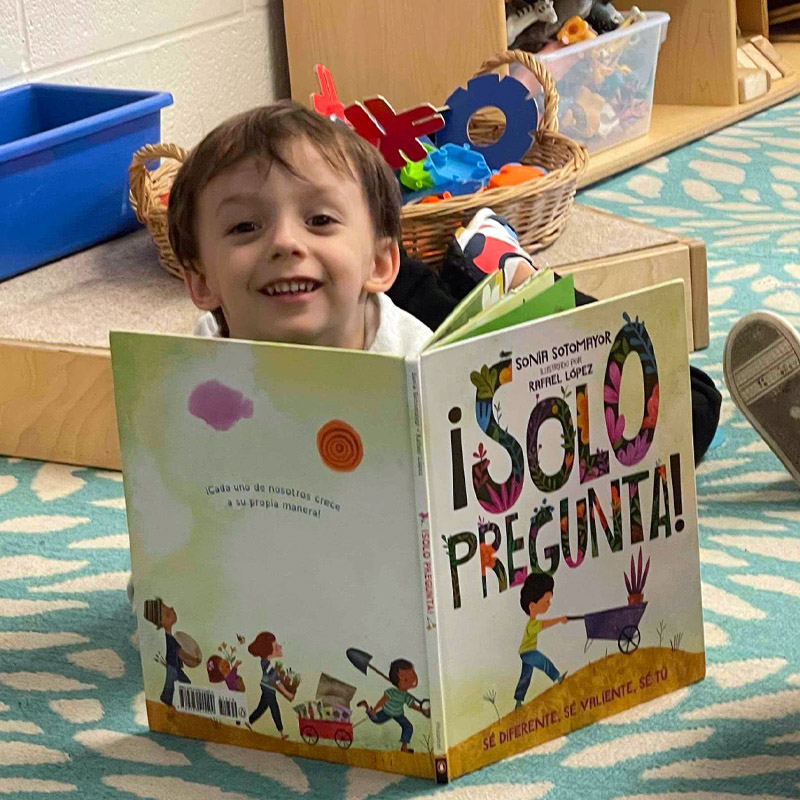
[(438, 729)]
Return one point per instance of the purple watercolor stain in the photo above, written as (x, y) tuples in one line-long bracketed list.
[(219, 405)]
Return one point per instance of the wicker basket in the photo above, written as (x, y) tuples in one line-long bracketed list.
[(147, 192), (538, 209)]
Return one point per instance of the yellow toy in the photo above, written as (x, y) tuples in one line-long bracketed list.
[(585, 117), (605, 62), (575, 29)]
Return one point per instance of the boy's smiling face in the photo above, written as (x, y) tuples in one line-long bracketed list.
[(290, 257)]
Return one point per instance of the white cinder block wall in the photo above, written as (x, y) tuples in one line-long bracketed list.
[(216, 57)]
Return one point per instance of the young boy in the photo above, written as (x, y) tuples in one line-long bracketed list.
[(535, 598), (287, 225), (391, 706)]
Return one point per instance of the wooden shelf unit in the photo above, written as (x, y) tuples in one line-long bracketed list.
[(676, 125), (417, 51), (783, 17)]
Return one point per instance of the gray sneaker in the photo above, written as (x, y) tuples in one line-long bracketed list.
[(762, 372)]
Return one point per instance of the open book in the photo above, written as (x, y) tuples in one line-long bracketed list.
[(419, 565)]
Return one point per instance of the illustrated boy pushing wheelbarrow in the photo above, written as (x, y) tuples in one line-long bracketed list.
[(403, 677), (535, 598), (620, 624)]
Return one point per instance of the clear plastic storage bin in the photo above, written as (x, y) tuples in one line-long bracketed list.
[(605, 84)]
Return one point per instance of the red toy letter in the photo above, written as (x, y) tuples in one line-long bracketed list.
[(327, 103), (395, 135)]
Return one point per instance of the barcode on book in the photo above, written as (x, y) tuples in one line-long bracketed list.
[(228, 707), (209, 703), (197, 701)]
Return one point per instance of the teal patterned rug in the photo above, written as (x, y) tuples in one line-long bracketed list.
[(71, 709)]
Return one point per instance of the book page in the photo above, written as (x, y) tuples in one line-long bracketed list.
[(272, 516), (558, 296), (562, 499), (487, 299), (488, 292)]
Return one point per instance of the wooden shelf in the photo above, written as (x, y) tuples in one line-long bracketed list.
[(676, 125), (696, 89)]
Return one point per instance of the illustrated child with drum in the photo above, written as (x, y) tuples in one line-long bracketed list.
[(181, 648)]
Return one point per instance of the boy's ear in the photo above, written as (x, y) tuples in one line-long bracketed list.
[(385, 266), (203, 295)]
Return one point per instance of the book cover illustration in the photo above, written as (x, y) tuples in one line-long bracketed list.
[(563, 522), (274, 548), (422, 566)]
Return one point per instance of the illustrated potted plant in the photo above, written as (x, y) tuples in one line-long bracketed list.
[(635, 583)]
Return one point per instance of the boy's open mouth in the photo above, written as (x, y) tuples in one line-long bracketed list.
[(291, 287)]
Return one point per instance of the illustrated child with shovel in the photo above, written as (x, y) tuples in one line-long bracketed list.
[(403, 677)]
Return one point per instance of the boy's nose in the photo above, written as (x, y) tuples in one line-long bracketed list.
[(286, 239)]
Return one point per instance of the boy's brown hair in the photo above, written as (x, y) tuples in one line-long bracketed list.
[(264, 133)]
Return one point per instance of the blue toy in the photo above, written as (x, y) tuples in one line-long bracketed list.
[(454, 164), (507, 94)]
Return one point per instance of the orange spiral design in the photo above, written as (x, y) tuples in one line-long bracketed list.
[(339, 446)]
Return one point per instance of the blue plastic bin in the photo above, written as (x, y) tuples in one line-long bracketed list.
[(64, 157)]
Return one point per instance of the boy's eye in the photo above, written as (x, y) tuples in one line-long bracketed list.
[(243, 227), (320, 220)]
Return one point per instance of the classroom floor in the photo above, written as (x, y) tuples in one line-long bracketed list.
[(71, 707)]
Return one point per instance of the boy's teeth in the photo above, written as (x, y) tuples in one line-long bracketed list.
[(289, 287)]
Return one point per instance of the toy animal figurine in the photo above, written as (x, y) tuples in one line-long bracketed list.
[(603, 17), (521, 14), (600, 14), (588, 115), (567, 9), (534, 36)]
